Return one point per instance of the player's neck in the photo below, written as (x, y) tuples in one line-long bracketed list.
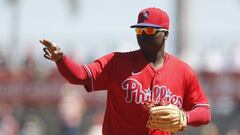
[(156, 58)]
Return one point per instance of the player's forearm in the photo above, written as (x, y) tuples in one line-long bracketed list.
[(199, 116), (72, 72)]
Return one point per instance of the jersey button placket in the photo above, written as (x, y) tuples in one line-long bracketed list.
[(155, 77), (156, 74)]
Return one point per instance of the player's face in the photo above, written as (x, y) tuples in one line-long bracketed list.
[(150, 42)]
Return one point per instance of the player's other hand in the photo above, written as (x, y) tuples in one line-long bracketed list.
[(51, 50)]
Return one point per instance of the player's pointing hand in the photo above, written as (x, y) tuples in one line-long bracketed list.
[(51, 50)]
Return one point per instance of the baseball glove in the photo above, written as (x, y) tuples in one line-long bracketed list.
[(167, 118)]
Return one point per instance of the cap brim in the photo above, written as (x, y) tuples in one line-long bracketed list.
[(145, 25)]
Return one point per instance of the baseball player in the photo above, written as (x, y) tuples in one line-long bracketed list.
[(149, 92)]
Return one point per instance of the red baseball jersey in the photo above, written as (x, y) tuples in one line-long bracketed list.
[(131, 81)]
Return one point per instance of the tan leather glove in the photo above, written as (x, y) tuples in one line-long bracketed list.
[(167, 118)]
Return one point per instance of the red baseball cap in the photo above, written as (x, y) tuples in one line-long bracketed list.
[(152, 17)]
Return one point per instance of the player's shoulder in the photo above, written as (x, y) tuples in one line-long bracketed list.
[(119, 56), (125, 55), (178, 63)]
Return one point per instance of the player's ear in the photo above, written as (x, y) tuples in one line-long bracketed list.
[(166, 35)]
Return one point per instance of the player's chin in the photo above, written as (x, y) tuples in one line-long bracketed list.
[(149, 48)]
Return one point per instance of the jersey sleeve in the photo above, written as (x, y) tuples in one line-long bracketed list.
[(194, 95), (99, 73)]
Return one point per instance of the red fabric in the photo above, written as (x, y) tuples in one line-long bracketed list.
[(130, 82), (194, 94), (154, 16), (199, 116), (72, 72)]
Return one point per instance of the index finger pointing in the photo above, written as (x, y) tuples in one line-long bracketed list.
[(43, 43), (46, 43)]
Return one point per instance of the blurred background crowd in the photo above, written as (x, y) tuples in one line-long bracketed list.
[(36, 100)]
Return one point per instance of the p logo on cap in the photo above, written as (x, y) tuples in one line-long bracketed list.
[(144, 16), (152, 17)]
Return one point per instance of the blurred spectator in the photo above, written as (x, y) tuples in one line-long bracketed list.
[(210, 129), (5, 73), (8, 123), (28, 65), (33, 126), (71, 109), (96, 128), (233, 131)]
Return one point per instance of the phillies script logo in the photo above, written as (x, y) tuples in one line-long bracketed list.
[(135, 93)]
